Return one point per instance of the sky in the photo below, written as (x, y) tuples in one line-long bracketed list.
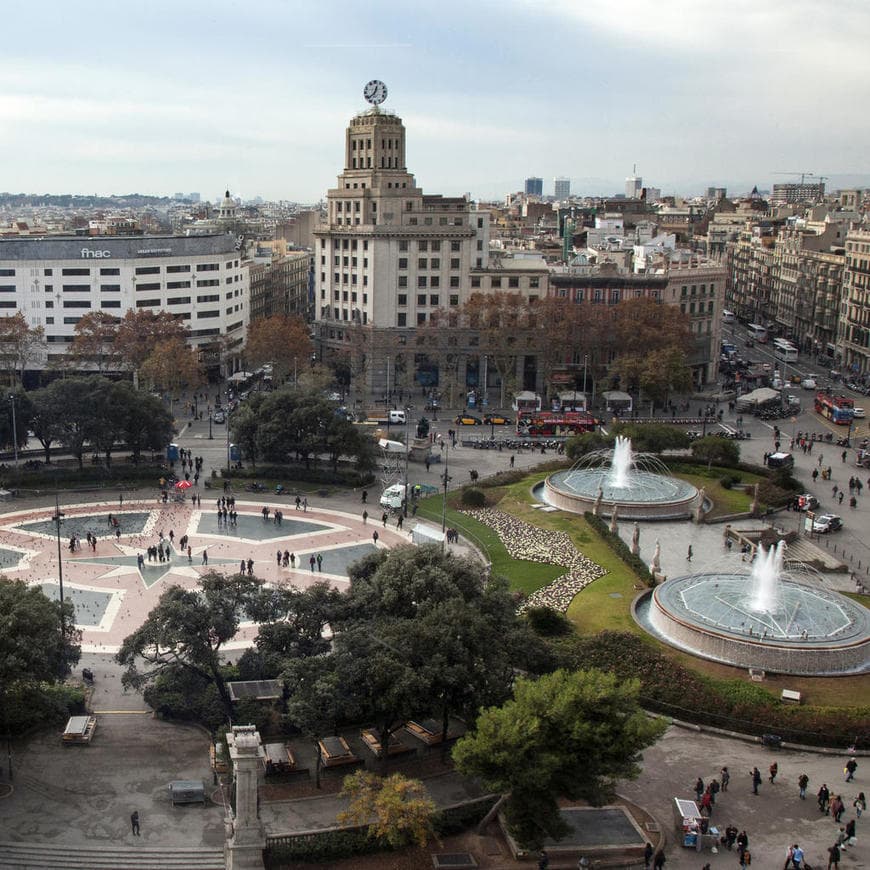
[(186, 95)]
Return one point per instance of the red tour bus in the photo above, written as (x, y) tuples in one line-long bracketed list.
[(837, 409), (552, 424)]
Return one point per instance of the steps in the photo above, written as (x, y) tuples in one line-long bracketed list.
[(36, 856)]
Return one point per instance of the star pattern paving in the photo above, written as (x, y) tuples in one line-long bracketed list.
[(115, 596)]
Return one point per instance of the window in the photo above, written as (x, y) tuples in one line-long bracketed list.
[(454, 281), (412, 221), (177, 285), (454, 299), (148, 270), (172, 269), (475, 282), (110, 288), (454, 262), (178, 300), (421, 318), (78, 288), (49, 320), (421, 281), (495, 283), (7, 273), (435, 281), (513, 282), (423, 245), (480, 223), (403, 262), (110, 303), (403, 280), (71, 320), (403, 245), (49, 303), (76, 303), (403, 299), (434, 299), (534, 283), (421, 263), (147, 303), (479, 245), (455, 247), (435, 263), (436, 246), (209, 282), (208, 267), (153, 285), (204, 314), (421, 298), (76, 272), (48, 272), (401, 319), (10, 288), (211, 298)]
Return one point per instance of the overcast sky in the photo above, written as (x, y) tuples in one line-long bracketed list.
[(198, 95)]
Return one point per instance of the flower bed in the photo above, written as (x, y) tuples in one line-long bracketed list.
[(525, 541)]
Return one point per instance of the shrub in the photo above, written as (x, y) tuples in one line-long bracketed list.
[(547, 622), (729, 480), (346, 475), (473, 497), (42, 705), (178, 693)]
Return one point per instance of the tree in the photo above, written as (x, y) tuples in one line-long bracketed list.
[(566, 734), (146, 423), (396, 809), (94, 341), (282, 340), (244, 426), (189, 629), (141, 330), (716, 451), (64, 411), (23, 417), (47, 421), (19, 344), (172, 365)]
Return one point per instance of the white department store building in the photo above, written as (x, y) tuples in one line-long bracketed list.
[(55, 281)]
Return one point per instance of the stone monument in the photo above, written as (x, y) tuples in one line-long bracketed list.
[(246, 835)]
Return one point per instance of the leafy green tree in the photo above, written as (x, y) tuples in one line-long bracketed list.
[(567, 734), (67, 405), (189, 629), (716, 451), (397, 809), (244, 426), (653, 437), (146, 423)]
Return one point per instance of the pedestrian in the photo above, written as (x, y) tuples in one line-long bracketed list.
[(375, 537), (298, 502), (134, 823), (824, 796), (773, 770), (849, 831), (311, 562), (384, 518), (189, 554), (742, 843), (834, 857), (365, 516), (860, 804), (543, 860), (840, 497), (707, 803), (841, 808), (242, 567), (699, 788), (399, 521), (293, 560), (756, 779), (647, 853), (789, 856), (851, 767), (689, 554), (797, 858), (365, 496), (843, 456), (205, 557), (512, 465), (319, 562), (305, 504), (427, 464), (659, 860), (278, 557), (803, 782), (250, 567), (724, 775)]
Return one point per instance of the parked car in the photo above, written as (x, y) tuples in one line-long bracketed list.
[(497, 420), (468, 420), (808, 383), (807, 502), (859, 413), (825, 523), (219, 416)]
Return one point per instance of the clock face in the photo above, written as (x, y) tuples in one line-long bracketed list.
[(375, 92)]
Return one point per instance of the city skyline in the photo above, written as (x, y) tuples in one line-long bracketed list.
[(195, 96)]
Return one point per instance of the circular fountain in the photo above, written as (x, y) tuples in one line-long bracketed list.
[(638, 484), (763, 618)]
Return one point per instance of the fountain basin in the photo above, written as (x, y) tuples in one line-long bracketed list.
[(649, 496), (809, 630)]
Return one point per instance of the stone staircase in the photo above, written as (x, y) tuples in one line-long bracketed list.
[(37, 856)]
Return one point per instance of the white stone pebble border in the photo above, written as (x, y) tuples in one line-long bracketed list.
[(525, 541)]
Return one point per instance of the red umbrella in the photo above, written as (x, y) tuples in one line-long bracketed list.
[(183, 484)]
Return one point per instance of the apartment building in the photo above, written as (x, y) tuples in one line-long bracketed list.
[(853, 340)]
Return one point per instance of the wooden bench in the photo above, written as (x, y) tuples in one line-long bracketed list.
[(79, 730), (396, 747), (789, 696), (335, 752)]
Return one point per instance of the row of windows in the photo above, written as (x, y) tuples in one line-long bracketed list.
[(513, 283)]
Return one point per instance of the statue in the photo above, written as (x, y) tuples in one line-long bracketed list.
[(754, 507), (614, 528), (657, 557), (635, 540), (596, 508), (699, 510)]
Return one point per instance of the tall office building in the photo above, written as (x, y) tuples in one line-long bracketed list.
[(534, 186), (633, 187), (793, 192), (561, 187)]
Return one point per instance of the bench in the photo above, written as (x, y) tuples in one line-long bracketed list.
[(278, 758), (396, 747), (335, 752), (79, 730), (789, 696)]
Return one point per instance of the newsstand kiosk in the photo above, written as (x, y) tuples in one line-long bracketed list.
[(693, 829)]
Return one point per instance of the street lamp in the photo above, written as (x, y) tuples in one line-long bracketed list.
[(227, 421), (58, 516), (14, 428), (446, 478), (407, 454), (210, 436)]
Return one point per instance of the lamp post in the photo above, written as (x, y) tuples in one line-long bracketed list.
[(446, 479), (210, 436), (14, 428), (227, 421), (58, 516), (585, 361)]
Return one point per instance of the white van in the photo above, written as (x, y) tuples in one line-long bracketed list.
[(397, 417), (393, 496), (728, 316)]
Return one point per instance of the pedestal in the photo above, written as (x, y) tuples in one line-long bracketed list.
[(246, 836)]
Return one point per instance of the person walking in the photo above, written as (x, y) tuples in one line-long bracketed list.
[(797, 858), (860, 804), (851, 767), (399, 521), (205, 557), (375, 537), (824, 796), (647, 855), (803, 782), (773, 770), (312, 561), (543, 860), (250, 567), (689, 554), (659, 860), (834, 857), (756, 779), (384, 519), (365, 516), (293, 560), (134, 823), (724, 775), (699, 788), (320, 563)]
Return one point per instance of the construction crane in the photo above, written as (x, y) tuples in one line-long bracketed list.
[(803, 175)]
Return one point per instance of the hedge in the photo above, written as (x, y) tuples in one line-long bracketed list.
[(674, 690), (473, 497), (346, 476), (52, 476), (42, 705), (620, 548)]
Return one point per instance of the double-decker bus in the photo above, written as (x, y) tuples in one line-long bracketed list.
[(784, 350), (552, 424), (837, 409)]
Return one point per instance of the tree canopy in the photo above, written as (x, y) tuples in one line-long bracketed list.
[(282, 340), (566, 734), (716, 451)]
